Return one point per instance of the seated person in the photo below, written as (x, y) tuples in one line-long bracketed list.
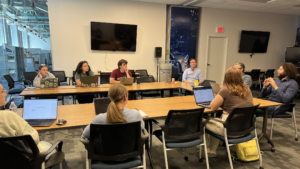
[(246, 78), (116, 111), (13, 125), (122, 71), (43, 74), (281, 90), (233, 94), (83, 69), (191, 74)]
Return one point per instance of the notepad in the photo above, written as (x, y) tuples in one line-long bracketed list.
[(143, 113)]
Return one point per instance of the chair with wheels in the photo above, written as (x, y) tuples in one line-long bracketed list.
[(182, 129), (29, 77), (237, 129), (119, 145), (22, 152), (101, 105), (11, 86)]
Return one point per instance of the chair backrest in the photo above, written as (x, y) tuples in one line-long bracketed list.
[(19, 152), (105, 78), (176, 74), (270, 73), (101, 105), (132, 73), (60, 75), (255, 74), (241, 121), (147, 79), (142, 72), (111, 142), (29, 76), (73, 77), (184, 124), (206, 83), (10, 81)]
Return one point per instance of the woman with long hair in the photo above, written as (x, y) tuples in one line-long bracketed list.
[(116, 110), (233, 94)]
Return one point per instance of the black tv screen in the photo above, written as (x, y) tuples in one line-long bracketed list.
[(254, 42), (114, 37), (292, 54)]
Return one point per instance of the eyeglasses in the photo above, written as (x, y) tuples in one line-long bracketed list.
[(3, 91)]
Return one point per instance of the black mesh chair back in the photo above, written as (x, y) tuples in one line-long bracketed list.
[(29, 76), (10, 81), (18, 152), (206, 83), (60, 75), (101, 105), (184, 124), (111, 142), (132, 73), (238, 123), (142, 72), (147, 79), (176, 75), (255, 74), (270, 73), (105, 78)]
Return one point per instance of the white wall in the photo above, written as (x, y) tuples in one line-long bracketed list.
[(70, 33), (282, 28), (36, 42)]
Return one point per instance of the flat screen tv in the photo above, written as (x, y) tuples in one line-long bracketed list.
[(292, 54), (113, 37), (254, 42)]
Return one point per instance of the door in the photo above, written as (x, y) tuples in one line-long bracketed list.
[(216, 58)]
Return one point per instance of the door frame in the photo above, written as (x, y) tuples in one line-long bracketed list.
[(207, 53)]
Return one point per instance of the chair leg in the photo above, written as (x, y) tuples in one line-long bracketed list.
[(60, 166), (227, 147), (144, 158), (43, 165), (205, 149), (258, 149), (295, 124), (87, 161), (272, 123), (165, 151)]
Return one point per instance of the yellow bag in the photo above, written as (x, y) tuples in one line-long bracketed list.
[(247, 151)]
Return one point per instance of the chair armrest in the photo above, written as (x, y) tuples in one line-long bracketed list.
[(27, 81), (57, 144), (291, 104), (157, 123), (144, 135), (85, 142)]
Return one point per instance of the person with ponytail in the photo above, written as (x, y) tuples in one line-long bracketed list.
[(116, 110), (235, 93)]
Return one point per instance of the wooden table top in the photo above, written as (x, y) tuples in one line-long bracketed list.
[(83, 114), (64, 90), (97, 74)]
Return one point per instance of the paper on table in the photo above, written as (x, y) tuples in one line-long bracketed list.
[(143, 113)]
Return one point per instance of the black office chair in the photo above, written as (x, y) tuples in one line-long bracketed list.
[(101, 105), (61, 77), (176, 74), (22, 152), (206, 83), (73, 78), (11, 86), (182, 129), (105, 78), (269, 73), (255, 75), (237, 129), (29, 77), (118, 145), (148, 79)]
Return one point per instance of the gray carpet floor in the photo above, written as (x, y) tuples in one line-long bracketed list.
[(286, 155)]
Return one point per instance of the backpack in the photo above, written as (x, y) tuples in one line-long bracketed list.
[(246, 151)]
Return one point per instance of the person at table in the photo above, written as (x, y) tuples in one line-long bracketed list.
[(116, 110), (121, 71), (246, 78), (13, 125), (281, 90), (43, 74), (191, 74), (235, 93), (83, 69)]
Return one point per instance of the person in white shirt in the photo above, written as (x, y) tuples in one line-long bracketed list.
[(191, 74), (43, 74)]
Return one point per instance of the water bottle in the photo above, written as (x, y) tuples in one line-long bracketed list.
[(169, 78), (13, 107)]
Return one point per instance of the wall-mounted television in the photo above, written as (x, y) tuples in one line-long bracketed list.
[(292, 54), (254, 42), (113, 36)]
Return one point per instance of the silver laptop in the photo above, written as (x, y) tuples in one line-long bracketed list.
[(41, 112), (203, 96), (215, 87), (126, 81)]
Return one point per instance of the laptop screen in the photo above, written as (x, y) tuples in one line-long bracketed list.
[(40, 109), (203, 94)]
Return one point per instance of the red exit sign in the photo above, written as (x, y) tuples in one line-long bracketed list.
[(220, 29)]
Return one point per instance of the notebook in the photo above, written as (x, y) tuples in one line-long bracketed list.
[(41, 112), (49, 83), (203, 96)]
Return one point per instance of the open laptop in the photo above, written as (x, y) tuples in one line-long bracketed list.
[(49, 83), (41, 112), (89, 79), (215, 87), (203, 96), (126, 81)]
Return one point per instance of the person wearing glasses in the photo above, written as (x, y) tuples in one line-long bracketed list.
[(246, 78), (43, 74), (14, 125)]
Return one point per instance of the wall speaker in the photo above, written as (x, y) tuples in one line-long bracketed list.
[(158, 51)]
